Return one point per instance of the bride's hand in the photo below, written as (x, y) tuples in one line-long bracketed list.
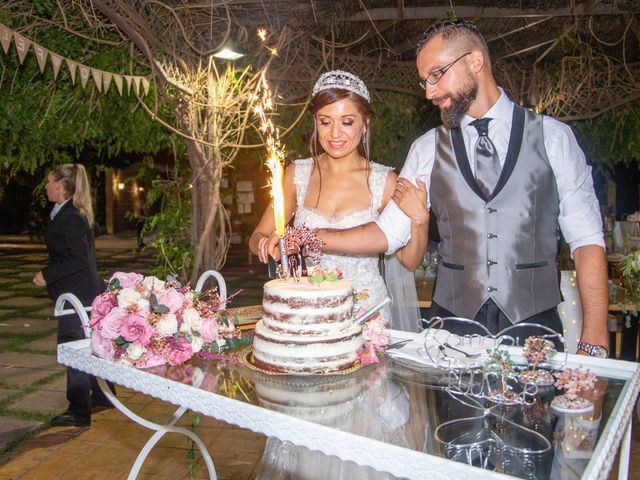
[(268, 246), (411, 200)]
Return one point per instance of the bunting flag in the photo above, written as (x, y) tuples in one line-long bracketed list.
[(101, 79), (41, 56), (22, 46), (56, 62), (5, 38), (84, 75), (72, 69), (97, 78)]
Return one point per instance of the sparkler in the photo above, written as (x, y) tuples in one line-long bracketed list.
[(275, 158)]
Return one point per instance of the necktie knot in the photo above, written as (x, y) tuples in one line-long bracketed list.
[(482, 126)]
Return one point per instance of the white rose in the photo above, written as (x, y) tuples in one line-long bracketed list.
[(143, 305), (135, 351), (191, 319), (128, 297), (196, 344), (153, 285), (167, 325)]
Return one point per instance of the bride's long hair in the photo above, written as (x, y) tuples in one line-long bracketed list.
[(327, 97)]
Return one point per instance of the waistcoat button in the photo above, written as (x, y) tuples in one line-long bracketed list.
[(492, 235), (491, 289), (491, 210), (491, 262)]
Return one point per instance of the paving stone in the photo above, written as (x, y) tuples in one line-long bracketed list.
[(48, 344), (11, 428), (6, 392), (19, 302), (22, 377), (27, 326), (47, 401), (29, 360)]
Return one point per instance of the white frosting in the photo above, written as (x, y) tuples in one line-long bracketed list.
[(311, 353), (307, 327)]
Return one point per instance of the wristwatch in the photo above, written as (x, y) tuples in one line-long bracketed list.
[(593, 350)]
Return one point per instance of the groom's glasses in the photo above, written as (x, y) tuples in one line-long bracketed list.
[(435, 76)]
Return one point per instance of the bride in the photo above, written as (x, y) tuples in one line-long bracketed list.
[(340, 187)]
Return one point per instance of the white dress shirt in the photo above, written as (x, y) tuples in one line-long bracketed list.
[(56, 208), (579, 218)]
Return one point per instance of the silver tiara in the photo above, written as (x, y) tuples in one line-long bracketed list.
[(343, 80)]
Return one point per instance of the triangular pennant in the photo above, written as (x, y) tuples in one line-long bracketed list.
[(117, 79), (106, 81), (128, 79), (72, 69), (97, 78), (22, 46), (41, 56), (136, 85), (6, 34), (85, 72), (145, 85), (56, 61)]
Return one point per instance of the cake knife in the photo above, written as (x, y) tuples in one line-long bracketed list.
[(369, 313)]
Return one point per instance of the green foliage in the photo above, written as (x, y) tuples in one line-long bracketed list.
[(611, 139), (45, 121), (171, 225)]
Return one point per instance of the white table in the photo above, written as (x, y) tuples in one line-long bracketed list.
[(336, 437)]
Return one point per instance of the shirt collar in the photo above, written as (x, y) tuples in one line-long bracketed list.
[(502, 110)]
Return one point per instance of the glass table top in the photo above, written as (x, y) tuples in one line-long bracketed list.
[(410, 407)]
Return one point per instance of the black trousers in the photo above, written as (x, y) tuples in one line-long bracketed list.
[(492, 317), (82, 388)]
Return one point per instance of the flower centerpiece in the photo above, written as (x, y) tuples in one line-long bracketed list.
[(144, 322), (537, 350), (573, 381)]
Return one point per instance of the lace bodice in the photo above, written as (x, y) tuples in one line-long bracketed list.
[(362, 270)]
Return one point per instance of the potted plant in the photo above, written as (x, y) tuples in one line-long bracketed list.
[(537, 351), (573, 381)]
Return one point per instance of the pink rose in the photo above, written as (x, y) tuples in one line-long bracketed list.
[(100, 307), (172, 299), (111, 323), (135, 328), (101, 346), (127, 279), (150, 359), (179, 352), (209, 330)]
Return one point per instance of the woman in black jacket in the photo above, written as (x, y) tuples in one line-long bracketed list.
[(72, 268)]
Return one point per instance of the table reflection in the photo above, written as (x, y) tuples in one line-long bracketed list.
[(404, 406)]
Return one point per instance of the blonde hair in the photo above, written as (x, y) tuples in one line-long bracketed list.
[(76, 185)]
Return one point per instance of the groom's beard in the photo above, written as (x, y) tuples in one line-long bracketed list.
[(452, 116)]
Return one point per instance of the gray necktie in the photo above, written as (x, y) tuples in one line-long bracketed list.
[(487, 162)]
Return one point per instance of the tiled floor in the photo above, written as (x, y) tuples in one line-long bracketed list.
[(32, 389)]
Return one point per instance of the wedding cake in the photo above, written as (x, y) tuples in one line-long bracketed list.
[(307, 326)]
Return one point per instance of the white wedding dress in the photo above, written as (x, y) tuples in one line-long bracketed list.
[(362, 270), (282, 460)]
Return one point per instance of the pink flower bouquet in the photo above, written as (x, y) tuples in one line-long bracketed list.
[(145, 322), (376, 339)]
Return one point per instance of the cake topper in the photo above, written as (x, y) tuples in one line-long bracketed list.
[(302, 247)]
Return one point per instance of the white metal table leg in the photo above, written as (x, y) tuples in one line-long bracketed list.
[(625, 449), (160, 431)]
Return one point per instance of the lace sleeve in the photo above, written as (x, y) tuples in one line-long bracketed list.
[(301, 179), (377, 182)]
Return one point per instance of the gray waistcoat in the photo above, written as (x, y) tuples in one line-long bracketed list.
[(503, 247)]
